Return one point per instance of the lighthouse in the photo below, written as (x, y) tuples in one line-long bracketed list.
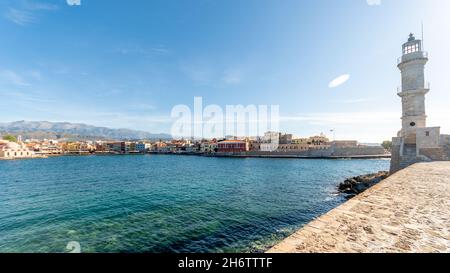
[(416, 142), (413, 90)]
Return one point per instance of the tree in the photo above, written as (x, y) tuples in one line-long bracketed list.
[(10, 138), (387, 145)]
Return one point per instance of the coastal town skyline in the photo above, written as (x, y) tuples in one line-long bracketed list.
[(325, 73), (224, 132)]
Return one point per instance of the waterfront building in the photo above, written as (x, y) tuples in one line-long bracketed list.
[(209, 147), (48, 149), (77, 148), (285, 139), (102, 147), (12, 150), (171, 148), (120, 147), (255, 145), (232, 146), (110, 146), (300, 141), (161, 147), (270, 141), (269, 136), (126, 146), (416, 142), (278, 142), (318, 140), (189, 148), (143, 147)]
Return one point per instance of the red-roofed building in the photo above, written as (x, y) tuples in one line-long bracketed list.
[(232, 146)]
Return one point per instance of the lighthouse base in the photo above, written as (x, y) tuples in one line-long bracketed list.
[(424, 145)]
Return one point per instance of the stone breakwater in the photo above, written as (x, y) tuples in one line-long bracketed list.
[(409, 212), (358, 184)]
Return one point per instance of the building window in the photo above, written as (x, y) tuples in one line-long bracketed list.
[(427, 133), (412, 124)]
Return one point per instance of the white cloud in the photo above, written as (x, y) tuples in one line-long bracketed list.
[(232, 76), (135, 49), (39, 6), (351, 101), (11, 77), (199, 73), (73, 2), (373, 2), (26, 12), (339, 81), (207, 73), (36, 75), (142, 107), (20, 17)]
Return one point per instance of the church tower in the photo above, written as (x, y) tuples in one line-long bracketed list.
[(413, 89)]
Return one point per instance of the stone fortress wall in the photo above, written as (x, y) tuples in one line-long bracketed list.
[(330, 152)]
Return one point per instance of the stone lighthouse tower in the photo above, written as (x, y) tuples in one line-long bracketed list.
[(416, 142), (413, 89)]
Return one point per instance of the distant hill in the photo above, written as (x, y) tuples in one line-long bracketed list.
[(57, 130)]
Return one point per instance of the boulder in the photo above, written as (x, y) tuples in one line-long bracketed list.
[(356, 185)]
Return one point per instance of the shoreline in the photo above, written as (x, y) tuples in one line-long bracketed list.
[(305, 157), (242, 156)]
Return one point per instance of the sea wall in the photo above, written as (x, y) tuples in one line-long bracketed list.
[(347, 151), (407, 212), (319, 153)]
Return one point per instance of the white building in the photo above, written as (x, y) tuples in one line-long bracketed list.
[(208, 147), (270, 141), (143, 147), (12, 150)]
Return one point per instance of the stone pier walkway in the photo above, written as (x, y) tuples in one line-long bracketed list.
[(408, 212)]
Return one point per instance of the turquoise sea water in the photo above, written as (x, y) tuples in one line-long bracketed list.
[(164, 203)]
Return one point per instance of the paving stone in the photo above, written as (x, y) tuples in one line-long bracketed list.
[(407, 212)]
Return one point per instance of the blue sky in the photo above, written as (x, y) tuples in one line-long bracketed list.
[(125, 64)]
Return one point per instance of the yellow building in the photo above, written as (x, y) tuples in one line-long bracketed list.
[(77, 147), (300, 141), (318, 140)]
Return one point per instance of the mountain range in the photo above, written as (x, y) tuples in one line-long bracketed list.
[(45, 129)]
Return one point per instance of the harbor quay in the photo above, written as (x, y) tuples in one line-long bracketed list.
[(409, 212)]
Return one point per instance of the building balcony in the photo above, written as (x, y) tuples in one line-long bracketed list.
[(427, 87), (412, 56)]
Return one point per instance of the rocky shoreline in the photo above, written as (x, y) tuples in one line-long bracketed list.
[(358, 184)]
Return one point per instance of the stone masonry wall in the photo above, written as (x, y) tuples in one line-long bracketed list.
[(395, 159), (407, 212)]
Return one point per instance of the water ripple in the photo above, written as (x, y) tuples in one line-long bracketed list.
[(164, 203)]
